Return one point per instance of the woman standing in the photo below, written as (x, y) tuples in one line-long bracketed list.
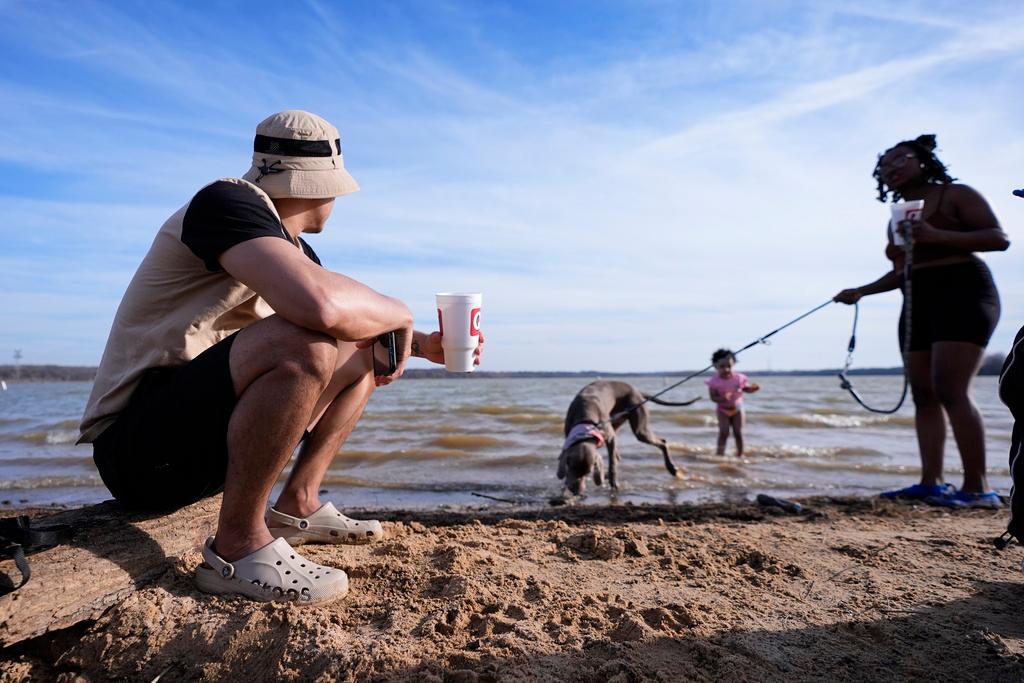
[(954, 308)]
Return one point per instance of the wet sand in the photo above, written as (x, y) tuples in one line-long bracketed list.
[(855, 589)]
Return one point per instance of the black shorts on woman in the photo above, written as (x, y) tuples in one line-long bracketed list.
[(956, 302)]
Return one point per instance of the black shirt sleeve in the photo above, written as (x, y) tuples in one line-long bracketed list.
[(224, 214), (308, 251)]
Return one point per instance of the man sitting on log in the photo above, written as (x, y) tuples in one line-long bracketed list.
[(231, 347)]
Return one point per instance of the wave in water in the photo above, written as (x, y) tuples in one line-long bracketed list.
[(774, 452), (49, 482), (60, 432), (495, 409), (546, 422), (406, 423), (447, 486), (527, 459), (889, 468), (354, 457), (694, 419), (816, 417), (19, 460), (833, 420), (51, 437), (467, 442)]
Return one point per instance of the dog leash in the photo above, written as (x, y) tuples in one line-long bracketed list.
[(17, 536), (763, 339), (844, 381)]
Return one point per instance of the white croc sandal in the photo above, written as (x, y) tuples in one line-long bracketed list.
[(326, 525), (274, 573)]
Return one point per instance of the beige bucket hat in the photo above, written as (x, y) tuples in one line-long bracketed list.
[(298, 154)]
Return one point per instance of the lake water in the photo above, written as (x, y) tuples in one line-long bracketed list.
[(431, 442)]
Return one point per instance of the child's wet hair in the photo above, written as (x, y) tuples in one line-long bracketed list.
[(923, 147), (722, 354)]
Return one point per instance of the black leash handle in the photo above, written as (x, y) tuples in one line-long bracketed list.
[(17, 553), (844, 383), (844, 380), (17, 536)]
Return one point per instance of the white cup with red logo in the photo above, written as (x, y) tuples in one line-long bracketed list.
[(904, 211), (458, 314)]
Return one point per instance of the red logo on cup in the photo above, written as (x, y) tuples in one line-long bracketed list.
[(474, 322), (440, 322), (914, 214)]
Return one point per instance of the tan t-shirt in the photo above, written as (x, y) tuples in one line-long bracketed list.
[(180, 301)]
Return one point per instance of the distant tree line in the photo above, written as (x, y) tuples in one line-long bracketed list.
[(992, 364), (47, 373)]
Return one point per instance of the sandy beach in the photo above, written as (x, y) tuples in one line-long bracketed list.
[(854, 589)]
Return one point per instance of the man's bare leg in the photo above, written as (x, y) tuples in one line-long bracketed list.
[(336, 416), (279, 371)]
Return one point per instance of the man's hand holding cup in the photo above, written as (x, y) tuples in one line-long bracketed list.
[(433, 350), (458, 315)]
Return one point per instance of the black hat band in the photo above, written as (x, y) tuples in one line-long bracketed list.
[(287, 147)]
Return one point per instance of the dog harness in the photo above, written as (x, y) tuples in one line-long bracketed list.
[(582, 432)]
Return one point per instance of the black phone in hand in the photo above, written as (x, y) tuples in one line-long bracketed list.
[(387, 362)]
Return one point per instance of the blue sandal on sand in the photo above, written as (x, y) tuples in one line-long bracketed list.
[(989, 500), (921, 492)]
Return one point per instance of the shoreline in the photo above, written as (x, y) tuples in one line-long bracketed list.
[(854, 587), (56, 374)]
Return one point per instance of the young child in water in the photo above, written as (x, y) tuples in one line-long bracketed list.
[(726, 389)]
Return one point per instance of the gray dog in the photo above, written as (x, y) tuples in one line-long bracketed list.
[(594, 418)]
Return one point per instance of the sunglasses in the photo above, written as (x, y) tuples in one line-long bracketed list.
[(897, 162)]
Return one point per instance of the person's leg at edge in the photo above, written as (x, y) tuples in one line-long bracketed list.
[(723, 432), (954, 365), (737, 422), (279, 371), (929, 420), (334, 418)]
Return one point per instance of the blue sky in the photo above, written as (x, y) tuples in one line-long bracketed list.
[(631, 185)]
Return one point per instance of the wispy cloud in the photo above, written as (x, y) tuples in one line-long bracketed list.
[(969, 43)]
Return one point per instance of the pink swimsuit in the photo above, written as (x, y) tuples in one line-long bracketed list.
[(731, 389)]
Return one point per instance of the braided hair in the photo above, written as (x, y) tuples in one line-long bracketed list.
[(923, 147)]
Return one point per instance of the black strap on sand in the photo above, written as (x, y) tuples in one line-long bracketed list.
[(17, 553), (17, 536), (760, 340), (1004, 540)]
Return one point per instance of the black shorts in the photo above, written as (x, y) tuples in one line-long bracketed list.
[(958, 302), (168, 448)]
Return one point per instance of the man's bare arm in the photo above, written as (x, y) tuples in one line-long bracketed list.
[(311, 296)]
